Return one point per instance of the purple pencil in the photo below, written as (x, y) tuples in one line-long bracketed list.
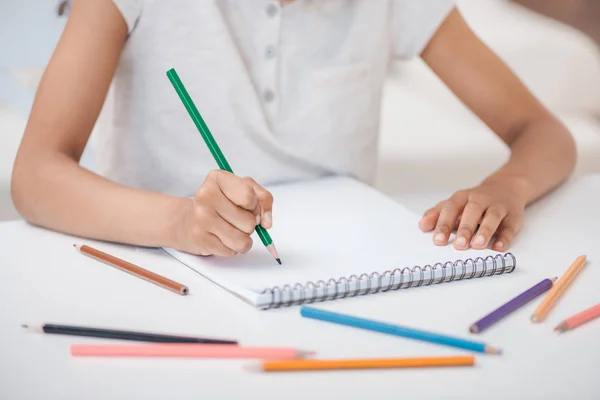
[(512, 305)]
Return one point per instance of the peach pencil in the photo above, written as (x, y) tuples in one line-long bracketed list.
[(185, 351)]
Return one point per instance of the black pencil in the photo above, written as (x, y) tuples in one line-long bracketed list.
[(122, 335)]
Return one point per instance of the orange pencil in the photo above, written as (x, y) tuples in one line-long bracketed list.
[(185, 351), (134, 270), (557, 290), (311, 365), (579, 319)]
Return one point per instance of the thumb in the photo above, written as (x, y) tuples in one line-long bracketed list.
[(264, 208)]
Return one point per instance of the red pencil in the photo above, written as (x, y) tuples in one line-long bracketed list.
[(579, 319)]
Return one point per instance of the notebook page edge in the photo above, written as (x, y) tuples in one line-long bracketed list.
[(247, 295)]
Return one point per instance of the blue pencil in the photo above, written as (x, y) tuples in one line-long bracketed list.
[(391, 329)]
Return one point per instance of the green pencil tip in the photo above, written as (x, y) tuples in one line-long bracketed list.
[(278, 261)]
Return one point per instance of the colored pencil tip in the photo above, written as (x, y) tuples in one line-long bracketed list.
[(273, 251), (561, 327), (305, 353), (24, 326), (474, 329), (253, 367), (492, 350)]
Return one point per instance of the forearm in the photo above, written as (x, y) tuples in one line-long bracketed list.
[(543, 155), (59, 194)]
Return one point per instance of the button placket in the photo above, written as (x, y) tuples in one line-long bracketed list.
[(269, 58), (271, 9), (270, 52)]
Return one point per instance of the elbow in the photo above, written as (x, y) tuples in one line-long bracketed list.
[(22, 182), (568, 150), (18, 191)]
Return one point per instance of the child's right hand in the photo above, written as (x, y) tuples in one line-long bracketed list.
[(221, 217)]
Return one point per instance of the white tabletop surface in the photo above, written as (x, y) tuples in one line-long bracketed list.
[(45, 279)]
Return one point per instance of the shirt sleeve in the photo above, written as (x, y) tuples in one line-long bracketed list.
[(413, 24), (130, 10)]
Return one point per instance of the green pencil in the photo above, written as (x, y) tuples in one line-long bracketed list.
[(214, 148)]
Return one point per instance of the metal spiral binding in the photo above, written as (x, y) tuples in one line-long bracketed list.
[(309, 292)]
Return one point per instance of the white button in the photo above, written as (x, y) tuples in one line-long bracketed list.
[(271, 10), (270, 52), (269, 95)]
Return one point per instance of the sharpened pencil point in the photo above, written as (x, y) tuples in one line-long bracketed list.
[(561, 327), (305, 354), (33, 328), (271, 248), (253, 368), (492, 350)]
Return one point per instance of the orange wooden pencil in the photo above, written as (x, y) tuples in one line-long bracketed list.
[(579, 319), (134, 270), (312, 365), (557, 290)]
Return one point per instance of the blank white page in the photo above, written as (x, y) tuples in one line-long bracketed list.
[(329, 228)]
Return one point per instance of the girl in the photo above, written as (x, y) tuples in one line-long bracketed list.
[(292, 91)]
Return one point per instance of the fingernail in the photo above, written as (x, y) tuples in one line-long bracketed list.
[(439, 237), (257, 219), (268, 218), (500, 244), (461, 241), (479, 240)]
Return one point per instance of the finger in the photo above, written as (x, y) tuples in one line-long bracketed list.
[(430, 217), (240, 218), (213, 246), (507, 231), (491, 220), (449, 213), (469, 219), (457, 224), (231, 237), (236, 189), (265, 202)]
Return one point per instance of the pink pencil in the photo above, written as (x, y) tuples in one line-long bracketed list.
[(185, 350), (579, 319)]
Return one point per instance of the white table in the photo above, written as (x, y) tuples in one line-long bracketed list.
[(45, 280)]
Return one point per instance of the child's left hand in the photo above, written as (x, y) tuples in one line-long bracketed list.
[(493, 208)]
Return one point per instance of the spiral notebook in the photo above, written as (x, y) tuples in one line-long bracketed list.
[(340, 238)]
